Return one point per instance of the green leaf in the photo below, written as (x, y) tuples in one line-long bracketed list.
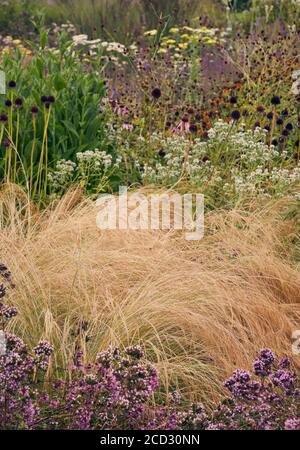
[(59, 82)]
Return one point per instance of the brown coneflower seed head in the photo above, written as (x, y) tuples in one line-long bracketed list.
[(275, 100), (235, 115), (156, 93)]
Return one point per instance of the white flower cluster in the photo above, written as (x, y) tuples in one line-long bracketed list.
[(82, 39), (263, 181), (114, 47), (93, 160), (180, 156), (196, 157), (90, 163), (68, 27), (234, 160), (63, 174)]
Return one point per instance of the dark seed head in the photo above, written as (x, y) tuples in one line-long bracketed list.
[(8, 103), (44, 98), (193, 128), (156, 93), (235, 115), (3, 118), (12, 84), (289, 126), (34, 110), (50, 99), (18, 102), (275, 100)]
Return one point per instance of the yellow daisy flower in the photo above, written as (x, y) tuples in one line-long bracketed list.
[(183, 45), (150, 33)]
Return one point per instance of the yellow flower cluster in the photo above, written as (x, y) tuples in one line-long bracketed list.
[(10, 44), (180, 39)]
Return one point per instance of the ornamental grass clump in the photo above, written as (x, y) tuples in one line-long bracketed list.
[(117, 392)]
